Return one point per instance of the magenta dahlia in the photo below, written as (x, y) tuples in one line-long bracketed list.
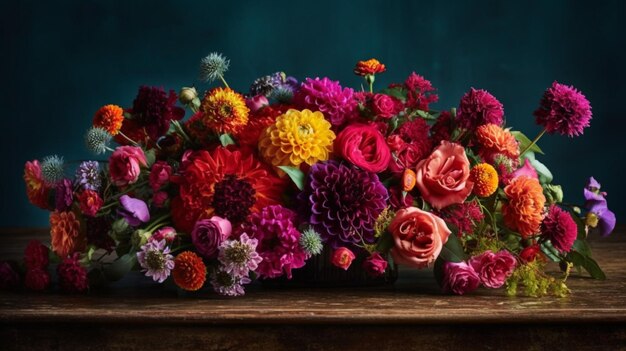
[(563, 110), (343, 202), (559, 228), (153, 109), (336, 103), (479, 107), (275, 228)]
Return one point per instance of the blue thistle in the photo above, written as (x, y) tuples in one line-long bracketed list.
[(52, 169), (282, 94), (311, 242), (213, 67), (97, 140)]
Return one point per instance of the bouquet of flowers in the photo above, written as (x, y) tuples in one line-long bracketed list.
[(251, 186)]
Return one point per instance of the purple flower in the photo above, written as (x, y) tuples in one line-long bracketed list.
[(599, 214), (88, 176), (135, 211), (155, 259), (459, 278), (563, 110), (153, 109), (336, 103), (239, 257), (227, 284), (64, 195), (208, 234), (479, 107), (343, 202)]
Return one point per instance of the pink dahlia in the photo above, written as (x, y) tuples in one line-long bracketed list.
[(477, 108), (343, 202), (336, 103), (278, 238), (563, 110), (559, 228)]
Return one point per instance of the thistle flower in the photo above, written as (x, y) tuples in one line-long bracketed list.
[(213, 67), (52, 169), (97, 140), (283, 95), (311, 242)]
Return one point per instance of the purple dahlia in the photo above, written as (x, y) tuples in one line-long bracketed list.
[(344, 202), (479, 107), (336, 103), (563, 110)]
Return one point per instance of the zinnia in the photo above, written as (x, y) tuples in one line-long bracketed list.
[(563, 110), (559, 228), (90, 203), (369, 67), (524, 209), (224, 110), (66, 234), (189, 271), (36, 187), (364, 147)]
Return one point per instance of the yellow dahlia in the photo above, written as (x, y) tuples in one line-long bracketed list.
[(296, 137), (485, 179), (224, 110)]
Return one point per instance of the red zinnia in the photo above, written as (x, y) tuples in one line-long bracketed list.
[(369, 67)]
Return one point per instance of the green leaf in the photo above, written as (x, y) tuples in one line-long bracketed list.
[(588, 263), (397, 92), (296, 175), (116, 270), (425, 114), (150, 157), (524, 142), (582, 247), (453, 251), (385, 243), (552, 253), (226, 140)]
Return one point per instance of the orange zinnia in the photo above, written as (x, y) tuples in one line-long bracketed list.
[(189, 271), (224, 111), (109, 118), (524, 210), (369, 67), (66, 236), (494, 140), (485, 179)]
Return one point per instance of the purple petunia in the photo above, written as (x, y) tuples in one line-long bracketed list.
[(599, 214), (135, 211)]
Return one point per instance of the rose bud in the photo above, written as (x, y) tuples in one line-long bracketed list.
[(342, 258)]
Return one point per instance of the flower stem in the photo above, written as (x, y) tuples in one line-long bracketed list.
[(533, 142), (224, 81), (129, 139), (181, 131)]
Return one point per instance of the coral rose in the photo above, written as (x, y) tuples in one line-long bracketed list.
[(443, 177), (418, 236), (523, 211), (493, 268), (364, 147), (125, 165)]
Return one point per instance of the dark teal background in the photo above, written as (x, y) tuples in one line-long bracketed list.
[(61, 61)]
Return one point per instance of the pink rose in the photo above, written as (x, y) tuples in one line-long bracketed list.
[(395, 142), (90, 203), (385, 106), (165, 233), (375, 265), (493, 268), (159, 198), (256, 103), (418, 237), (459, 278), (364, 147), (208, 234), (442, 178), (342, 258), (125, 165), (160, 175)]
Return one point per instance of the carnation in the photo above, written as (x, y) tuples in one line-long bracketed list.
[(524, 209), (559, 228), (477, 108), (563, 110)]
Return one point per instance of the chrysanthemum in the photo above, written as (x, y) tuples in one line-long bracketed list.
[(189, 271), (213, 67), (52, 169), (227, 284), (478, 107), (155, 260), (224, 110), (225, 183), (493, 140), (559, 228), (36, 188), (311, 242), (485, 179), (66, 234), (278, 241), (239, 256), (297, 137), (109, 118), (343, 202), (524, 208), (564, 110), (88, 176), (97, 140), (154, 109), (368, 67), (336, 103), (72, 275)]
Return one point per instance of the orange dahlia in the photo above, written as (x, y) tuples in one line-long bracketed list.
[(485, 179), (189, 271), (297, 137), (524, 210), (66, 234), (369, 67), (36, 188), (494, 140), (109, 118), (224, 110), (229, 184)]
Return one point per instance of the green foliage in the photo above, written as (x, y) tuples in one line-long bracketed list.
[(382, 221), (397, 92), (150, 157), (226, 140), (124, 264), (586, 262), (385, 243), (528, 280), (524, 142), (296, 175), (453, 251)]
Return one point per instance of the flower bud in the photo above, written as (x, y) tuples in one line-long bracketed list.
[(553, 193), (140, 237), (187, 95), (342, 257)]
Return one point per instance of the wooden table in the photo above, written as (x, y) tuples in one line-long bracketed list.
[(412, 314)]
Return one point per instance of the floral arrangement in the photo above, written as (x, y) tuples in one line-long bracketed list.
[(251, 186)]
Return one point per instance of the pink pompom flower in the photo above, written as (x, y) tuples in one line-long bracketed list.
[(563, 110)]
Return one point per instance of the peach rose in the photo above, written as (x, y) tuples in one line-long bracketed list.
[(418, 236), (442, 178)]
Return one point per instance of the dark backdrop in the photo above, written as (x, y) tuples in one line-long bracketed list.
[(61, 61)]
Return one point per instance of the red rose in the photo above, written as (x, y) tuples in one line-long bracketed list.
[(530, 253), (342, 258), (408, 156), (160, 175), (385, 106), (36, 255), (37, 279), (125, 165), (364, 147)]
